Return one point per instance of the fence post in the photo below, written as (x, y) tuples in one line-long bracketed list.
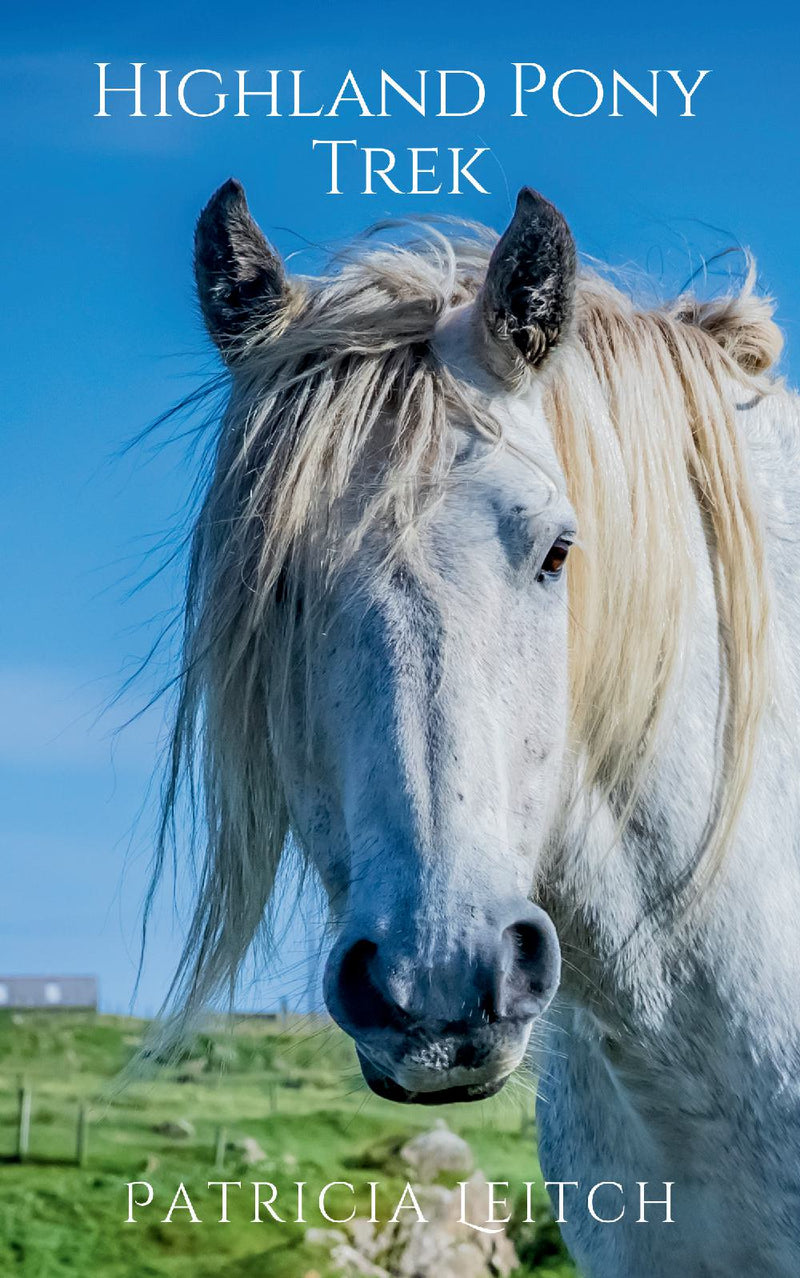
[(82, 1137), (221, 1146), (24, 1124)]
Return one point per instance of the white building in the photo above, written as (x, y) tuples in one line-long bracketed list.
[(48, 991)]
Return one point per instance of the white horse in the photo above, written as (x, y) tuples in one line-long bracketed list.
[(389, 660)]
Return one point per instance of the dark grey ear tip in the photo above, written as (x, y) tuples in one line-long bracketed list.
[(226, 198), (230, 192), (530, 201), (526, 196)]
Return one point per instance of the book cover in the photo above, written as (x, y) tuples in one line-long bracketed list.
[(401, 503)]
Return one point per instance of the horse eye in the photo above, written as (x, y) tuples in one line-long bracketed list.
[(555, 559)]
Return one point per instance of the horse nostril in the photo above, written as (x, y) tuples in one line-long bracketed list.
[(533, 971), (362, 1003), (495, 975), (529, 941)]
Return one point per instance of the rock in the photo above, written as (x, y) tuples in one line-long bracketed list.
[(433, 1251), (349, 1262), (176, 1129), (250, 1150), (362, 1235), (443, 1247), (436, 1151), (191, 1072), (324, 1237)]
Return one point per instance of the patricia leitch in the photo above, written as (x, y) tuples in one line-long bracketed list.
[(484, 1206)]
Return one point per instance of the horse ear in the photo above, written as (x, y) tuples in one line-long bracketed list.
[(240, 278), (528, 295)]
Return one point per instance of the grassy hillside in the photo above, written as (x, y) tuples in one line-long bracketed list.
[(295, 1090)]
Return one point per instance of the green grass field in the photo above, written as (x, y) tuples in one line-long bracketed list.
[(296, 1090)]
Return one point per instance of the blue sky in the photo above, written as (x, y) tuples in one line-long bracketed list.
[(99, 333)]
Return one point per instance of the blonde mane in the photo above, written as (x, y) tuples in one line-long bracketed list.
[(640, 403), (643, 414)]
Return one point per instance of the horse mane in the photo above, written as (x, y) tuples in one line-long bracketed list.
[(643, 414), (641, 409)]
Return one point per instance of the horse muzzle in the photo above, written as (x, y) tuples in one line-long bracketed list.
[(438, 1026), (445, 1067)]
